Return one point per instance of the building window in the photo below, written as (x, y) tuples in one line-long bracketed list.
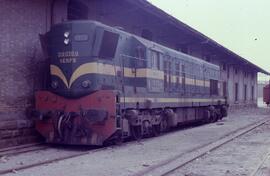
[(252, 93), (245, 92), (253, 76), (236, 92), (236, 71), (77, 10), (228, 73), (225, 89), (147, 34), (224, 67), (207, 58), (184, 49)]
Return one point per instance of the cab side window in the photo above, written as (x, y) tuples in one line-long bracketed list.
[(108, 45)]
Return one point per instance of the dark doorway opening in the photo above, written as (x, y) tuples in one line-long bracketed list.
[(225, 89), (245, 92), (147, 34), (252, 93), (77, 10), (236, 92)]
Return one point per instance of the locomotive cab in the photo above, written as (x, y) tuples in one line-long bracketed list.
[(78, 53)]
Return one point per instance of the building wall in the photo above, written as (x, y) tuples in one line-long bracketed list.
[(21, 64), (242, 77), (135, 20)]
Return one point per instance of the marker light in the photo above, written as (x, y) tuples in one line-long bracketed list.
[(66, 34), (66, 41)]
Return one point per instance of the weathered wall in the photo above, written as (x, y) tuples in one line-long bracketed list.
[(242, 78), (21, 22)]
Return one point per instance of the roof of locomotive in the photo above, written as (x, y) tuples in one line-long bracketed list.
[(171, 52), (147, 43)]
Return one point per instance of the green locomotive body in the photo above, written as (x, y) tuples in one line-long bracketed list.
[(151, 87)]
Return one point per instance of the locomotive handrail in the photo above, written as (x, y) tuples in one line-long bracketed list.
[(124, 55)]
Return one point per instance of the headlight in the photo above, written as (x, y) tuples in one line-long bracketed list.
[(54, 84), (86, 84), (66, 41)]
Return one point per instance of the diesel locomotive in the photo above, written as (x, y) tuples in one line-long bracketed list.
[(107, 85)]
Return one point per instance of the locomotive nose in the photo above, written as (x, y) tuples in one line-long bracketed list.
[(70, 47)]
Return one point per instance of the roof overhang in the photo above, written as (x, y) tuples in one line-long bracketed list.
[(147, 6)]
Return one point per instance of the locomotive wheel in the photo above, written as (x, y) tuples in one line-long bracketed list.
[(156, 130), (215, 117), (164, 125), (224, 111), (119, 139), (147, 129), (136, 132), (220, 116), (207, 117), (211, 119)]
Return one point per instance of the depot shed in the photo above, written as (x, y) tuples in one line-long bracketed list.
[(22, 61)]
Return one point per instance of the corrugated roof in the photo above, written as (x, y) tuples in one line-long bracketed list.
[(144, 4)]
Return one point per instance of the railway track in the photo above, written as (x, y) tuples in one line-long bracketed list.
[(13, 151), (258, 171), (169, 166), (22, 149), (162, 169)]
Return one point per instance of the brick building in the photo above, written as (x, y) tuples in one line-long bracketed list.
[(21, 22)]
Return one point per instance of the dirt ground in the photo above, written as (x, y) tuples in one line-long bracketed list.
[(131, 158), (239, 157)]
